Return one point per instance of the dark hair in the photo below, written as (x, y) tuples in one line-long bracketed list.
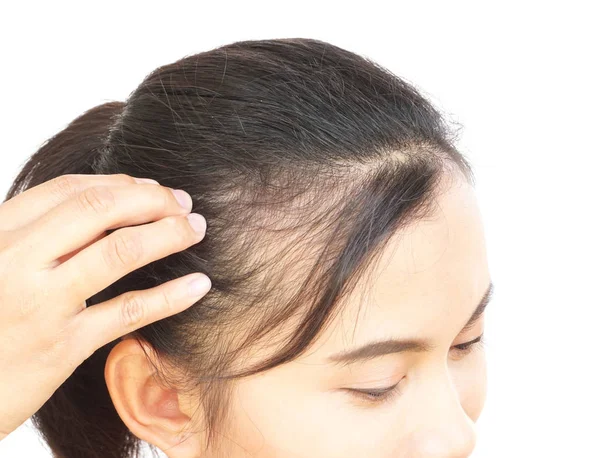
[(304, 159)]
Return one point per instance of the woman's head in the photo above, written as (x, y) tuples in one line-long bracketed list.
[(339, 212)]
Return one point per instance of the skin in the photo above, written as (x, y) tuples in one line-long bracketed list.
[(427, 284), (54, 254)]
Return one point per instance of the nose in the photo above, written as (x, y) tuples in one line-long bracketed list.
[(442, 428), (454, 440)]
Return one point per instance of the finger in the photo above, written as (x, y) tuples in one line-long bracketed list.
[(125, 250), (87, 215), (68, 256), (102, 323), (32, 203)]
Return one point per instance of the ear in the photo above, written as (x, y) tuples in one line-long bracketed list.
[(151, 411)]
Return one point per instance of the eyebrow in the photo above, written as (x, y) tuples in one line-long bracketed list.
[(375, 349)]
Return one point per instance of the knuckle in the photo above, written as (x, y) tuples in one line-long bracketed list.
[(167, 301), (168, 198), (28, 305), (133, 310), (183, 231), (122, 249), (29, 301), (56, 351), (9, 253), (51, 354), (97, 199), (65, 185), (186, 231), (125, 178)]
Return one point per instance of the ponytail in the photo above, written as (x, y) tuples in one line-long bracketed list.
[(83, 399), (77, 149)]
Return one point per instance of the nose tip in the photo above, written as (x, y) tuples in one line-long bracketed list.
[(441, 427), (452, 441)]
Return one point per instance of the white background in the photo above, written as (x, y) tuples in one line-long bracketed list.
[(522, 79)]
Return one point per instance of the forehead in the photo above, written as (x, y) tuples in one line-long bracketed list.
[(426, 284)]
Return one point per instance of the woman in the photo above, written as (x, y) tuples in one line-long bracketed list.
[(346, 255)]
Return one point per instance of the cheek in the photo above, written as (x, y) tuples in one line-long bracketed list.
[(274, 418), (472, 386)]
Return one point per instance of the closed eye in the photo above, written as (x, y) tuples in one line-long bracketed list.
[(380, 395), (466, 347)]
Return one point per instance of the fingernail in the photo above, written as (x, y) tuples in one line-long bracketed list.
[(184, 199), (198, 222), (145, 180), (199, 286)]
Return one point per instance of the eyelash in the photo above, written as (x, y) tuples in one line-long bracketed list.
[(378, 396), (467, 347), (381, 395)]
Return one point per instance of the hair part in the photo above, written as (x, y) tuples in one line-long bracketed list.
[(304, 158)]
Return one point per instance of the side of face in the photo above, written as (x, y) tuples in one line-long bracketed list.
[(426, 286)]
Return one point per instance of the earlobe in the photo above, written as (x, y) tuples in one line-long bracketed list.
[(151, 411)]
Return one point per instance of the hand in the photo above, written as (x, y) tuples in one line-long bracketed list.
[(54, 254)]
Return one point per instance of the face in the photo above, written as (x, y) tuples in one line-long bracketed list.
[(428, 284), (419, 394)]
